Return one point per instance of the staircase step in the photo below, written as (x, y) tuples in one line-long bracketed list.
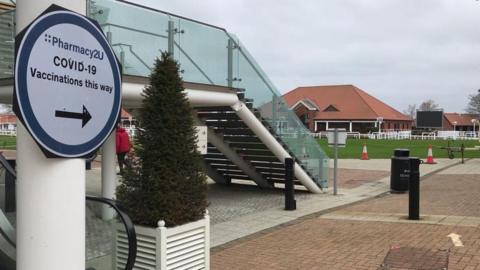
[(226, 124), (242, 139), (261, 158), (254, 152), (218, 116), (234, 131), (243, 145)]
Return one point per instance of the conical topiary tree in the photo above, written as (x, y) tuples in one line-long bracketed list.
[(165, 179)]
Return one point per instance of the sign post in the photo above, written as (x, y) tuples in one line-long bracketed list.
[(65, 114), (336, 137)]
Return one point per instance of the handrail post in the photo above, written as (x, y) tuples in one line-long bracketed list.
[(109, 37), (230, 48), (122, 60), (171, 37)]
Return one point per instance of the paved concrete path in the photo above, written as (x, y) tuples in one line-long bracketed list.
[(373, 234)]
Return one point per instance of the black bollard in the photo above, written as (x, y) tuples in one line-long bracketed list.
[(414, 189), (290, 203)]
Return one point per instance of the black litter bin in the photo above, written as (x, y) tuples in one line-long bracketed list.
[(399, 173)]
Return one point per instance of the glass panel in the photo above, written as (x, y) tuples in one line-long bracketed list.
[(139, 33), (7, 43), (201, 52), (102, 229)]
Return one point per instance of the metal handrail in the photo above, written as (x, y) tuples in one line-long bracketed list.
[(129, 227), (168, 14)]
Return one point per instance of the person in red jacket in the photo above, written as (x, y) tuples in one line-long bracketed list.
[(123, 146)]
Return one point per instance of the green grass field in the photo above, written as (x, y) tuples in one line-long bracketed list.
[(8, 142), (384, 148), (376, 148)]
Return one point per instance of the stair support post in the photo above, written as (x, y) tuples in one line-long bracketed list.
[(233, 156), (273, 145)]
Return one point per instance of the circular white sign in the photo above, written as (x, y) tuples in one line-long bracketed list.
[(67, 84)]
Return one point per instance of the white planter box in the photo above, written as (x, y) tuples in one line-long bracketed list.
[(182, 247)]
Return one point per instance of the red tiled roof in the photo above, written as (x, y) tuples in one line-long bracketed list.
[(125, 114), (352, 103), (461, 119), (8, 119)]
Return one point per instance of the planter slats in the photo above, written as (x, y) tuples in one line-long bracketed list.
[(191, 266), (171, 232), (146, 251), (181, 247), (185, 256), (179, 236), (185, 240), (185, 248), (196, 260)]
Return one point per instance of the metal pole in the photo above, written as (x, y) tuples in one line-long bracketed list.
[(414, 189), (171, 37), (122, 60), (290, 203), (50, 192), (335, 156), (109, 177), (230, 63), (109, 37)]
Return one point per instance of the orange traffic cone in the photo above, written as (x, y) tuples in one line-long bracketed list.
[(364, 152), (430, 156)]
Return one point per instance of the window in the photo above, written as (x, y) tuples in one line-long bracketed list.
[(330, 108)]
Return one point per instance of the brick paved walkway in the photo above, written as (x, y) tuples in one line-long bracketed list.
[(352, 178), (338, 244), (440, 194), (373, 239)]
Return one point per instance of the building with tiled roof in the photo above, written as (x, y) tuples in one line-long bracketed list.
[(460, 122), (344, 106)]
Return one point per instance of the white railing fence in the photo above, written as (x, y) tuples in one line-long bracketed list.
[(407, 135)]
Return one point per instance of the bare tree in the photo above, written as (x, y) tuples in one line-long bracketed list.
[(411, 111), (473, 104), (429, 105)]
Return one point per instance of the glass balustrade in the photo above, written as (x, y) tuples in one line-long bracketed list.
[(206, 54)]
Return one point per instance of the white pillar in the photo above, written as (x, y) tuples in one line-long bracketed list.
[(351, 126), (109, 177), (326, 125), (50, 192)]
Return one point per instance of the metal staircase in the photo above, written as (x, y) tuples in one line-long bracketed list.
[(224, 122)]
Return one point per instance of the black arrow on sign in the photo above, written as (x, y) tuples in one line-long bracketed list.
[(84, 115)]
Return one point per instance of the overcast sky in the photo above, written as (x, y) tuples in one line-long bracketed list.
[(400, 51)]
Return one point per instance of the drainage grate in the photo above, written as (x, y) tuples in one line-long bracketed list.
[(415, 258)]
